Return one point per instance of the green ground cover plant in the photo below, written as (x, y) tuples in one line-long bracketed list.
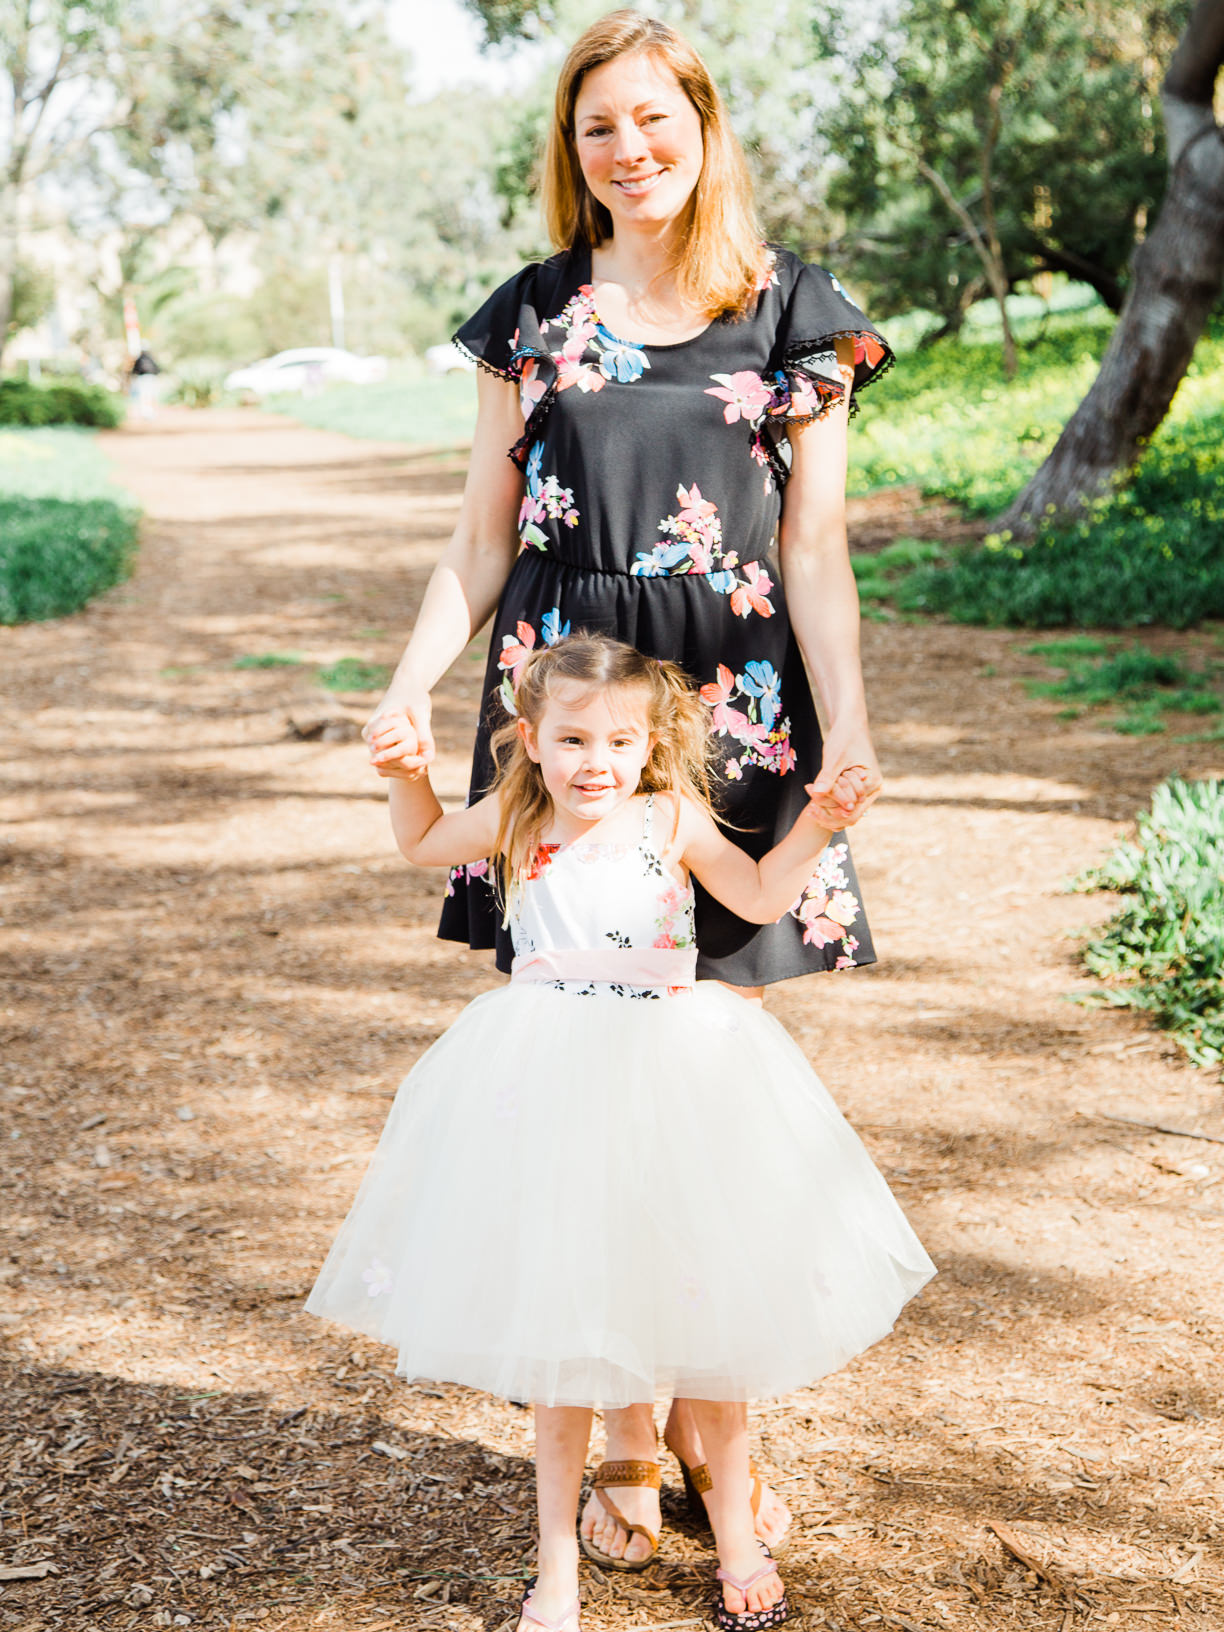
[(59, 402), (267, 660), (1163, 951), (1149, 684), (66, 532), (423, 410), (354, 674)]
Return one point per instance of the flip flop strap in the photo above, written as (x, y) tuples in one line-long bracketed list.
[(751, 1581), (528, 1614), (611, 1508)]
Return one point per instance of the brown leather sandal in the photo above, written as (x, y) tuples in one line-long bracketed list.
[(623, 1473), (697, 1481)]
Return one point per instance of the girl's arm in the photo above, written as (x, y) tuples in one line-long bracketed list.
[(465, 586), (822, 596), (429, 837), (759, 892)]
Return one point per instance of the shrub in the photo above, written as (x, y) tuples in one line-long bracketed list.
[(1164, 949), (1148, 553), (56, 554), (61, 402)]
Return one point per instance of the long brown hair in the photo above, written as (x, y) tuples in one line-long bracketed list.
[(723, 260), (675, 716)]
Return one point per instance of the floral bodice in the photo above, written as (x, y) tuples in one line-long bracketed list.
[(596, 897), (666, 460)]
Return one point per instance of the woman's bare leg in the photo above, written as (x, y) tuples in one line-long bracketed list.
[(562, 1434), (630, 1438)]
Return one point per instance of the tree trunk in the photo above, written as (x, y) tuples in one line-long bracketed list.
[(1178, 277), (8, 259)]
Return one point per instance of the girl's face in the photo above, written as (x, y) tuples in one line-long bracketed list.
[(591, 747), (638, 139)]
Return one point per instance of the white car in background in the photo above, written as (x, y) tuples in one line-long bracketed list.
[(448, 359), (306, 368)]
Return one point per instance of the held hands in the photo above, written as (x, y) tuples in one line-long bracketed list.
[(848, 783), (399, 737)]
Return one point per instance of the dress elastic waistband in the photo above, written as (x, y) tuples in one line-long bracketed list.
[(613, 966), (720, 578)]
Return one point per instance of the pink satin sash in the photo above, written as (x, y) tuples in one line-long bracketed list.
[(615, 965)]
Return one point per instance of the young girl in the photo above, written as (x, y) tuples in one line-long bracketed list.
[(746, 1244)]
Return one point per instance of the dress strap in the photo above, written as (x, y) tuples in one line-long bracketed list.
[(648, 822)]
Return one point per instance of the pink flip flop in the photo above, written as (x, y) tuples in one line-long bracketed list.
[(748, 1620)]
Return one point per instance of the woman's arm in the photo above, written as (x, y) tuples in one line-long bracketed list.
[(758, 892), (428, 836), (822, 597), (465, 585)]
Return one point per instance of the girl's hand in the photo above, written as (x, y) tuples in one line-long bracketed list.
[(399, 737), (843, 804), (849, 780)]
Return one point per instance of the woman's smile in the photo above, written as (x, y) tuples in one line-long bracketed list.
[(638, 138)]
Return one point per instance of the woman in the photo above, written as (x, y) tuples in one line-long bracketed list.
[(675, 399)]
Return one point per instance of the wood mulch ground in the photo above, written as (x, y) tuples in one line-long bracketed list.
[(216, 970)]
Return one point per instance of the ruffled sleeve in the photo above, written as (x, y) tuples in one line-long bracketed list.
[(805, 378), (505, 338)]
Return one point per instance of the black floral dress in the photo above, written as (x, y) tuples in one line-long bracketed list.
[(654, 477)]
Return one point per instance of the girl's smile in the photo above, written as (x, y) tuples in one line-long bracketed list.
[(591, 747)]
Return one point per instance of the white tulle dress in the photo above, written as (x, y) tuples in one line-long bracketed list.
[(606, 1182)]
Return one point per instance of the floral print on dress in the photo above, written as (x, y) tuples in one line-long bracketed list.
[(518, 647), (466, 874), (543, 498), (615, 360), (760, 735), (695, 547), (828, 907), (675, 920)]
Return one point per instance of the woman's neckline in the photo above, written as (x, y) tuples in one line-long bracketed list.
[(584, 265)]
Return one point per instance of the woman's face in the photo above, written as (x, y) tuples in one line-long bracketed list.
[(638, 139)]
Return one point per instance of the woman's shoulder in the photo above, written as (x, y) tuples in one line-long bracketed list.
[(795, 279), (516, 308)]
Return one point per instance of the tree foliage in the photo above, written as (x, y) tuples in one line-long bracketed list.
[(982, 142)]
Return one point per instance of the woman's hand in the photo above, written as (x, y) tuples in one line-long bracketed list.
[(849, 780), (399, 736)]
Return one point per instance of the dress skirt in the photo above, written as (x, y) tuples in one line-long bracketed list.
[(591, 1200), (767, 744)]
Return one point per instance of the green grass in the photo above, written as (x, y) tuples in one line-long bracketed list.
[(354, 674), (267, 660), (1163, 952), (949, 421), (66, 532), (1152, 684), (423, 410)]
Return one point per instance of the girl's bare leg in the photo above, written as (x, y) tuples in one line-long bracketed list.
[(562, 1434), (631, 1438), (723, 1427), (773, 1517)]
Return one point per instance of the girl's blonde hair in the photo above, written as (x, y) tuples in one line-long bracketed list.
[(675, 716), (723, 261)]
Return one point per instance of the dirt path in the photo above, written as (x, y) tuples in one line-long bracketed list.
[(216, 972)]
